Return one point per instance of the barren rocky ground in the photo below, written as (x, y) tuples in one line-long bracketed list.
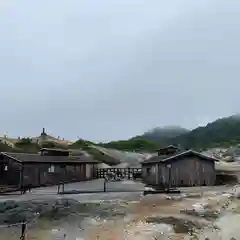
[(197, 213)]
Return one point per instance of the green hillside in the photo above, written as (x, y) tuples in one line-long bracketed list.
[(135, 144), (223, 132), (159, 134)]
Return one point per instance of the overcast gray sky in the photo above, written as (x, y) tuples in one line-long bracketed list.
[(110, 69)]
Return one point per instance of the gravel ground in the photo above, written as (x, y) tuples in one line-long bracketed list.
[(136, 210)]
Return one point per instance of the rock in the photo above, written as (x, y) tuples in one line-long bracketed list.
[(15, 212), (174, 198), (237, 195), (179, 225), (206, 213), (7, 206), (194, 195)]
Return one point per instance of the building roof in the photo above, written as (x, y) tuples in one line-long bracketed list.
[(55, 149), (169, 146), (36, 158), (166, 158)]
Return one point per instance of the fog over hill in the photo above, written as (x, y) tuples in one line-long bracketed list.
[(162, 133)]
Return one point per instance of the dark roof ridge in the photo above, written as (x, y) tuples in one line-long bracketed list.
[(7, 154), (156, 159), (20, 153), (191, 151), (25, 157), (55, 149)]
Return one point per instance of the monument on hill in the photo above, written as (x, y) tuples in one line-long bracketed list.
[(43, 132)]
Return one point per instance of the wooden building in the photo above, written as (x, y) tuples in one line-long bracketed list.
[(49, 167), (172, 167)]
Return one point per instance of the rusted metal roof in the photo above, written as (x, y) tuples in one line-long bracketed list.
[(36, 158)]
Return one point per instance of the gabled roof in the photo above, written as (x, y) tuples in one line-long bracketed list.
[(166, 158), (55, 149), (36, 158)]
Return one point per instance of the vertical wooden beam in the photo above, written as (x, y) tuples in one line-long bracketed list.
[(23, 232), (22, 178), (157, 175), (39, 176), (64, 178), (104, 185)]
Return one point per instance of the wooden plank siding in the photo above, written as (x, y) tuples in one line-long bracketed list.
[(185, 171), (39, 174)]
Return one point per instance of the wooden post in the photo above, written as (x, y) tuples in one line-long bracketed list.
[(169, 176), (22, 180), (39, 176), (64, 179), (104, 185), (23, 232)]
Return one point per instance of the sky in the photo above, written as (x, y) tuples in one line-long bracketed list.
[(108, 70)]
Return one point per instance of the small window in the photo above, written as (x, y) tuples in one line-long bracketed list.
[(51, 169), (148, 170)]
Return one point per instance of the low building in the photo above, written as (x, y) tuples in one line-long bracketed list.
[(172, 167), (49, 167)]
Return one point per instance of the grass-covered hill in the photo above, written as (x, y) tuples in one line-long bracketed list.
[(222, 132), (159, 134)]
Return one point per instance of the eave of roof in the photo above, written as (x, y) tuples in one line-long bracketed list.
[(159, 159), (36, 158), (55, 149)]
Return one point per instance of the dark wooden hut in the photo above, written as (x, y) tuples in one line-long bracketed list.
[(172, 167), (50, 167)]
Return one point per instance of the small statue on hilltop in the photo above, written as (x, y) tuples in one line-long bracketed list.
[(43, 132)]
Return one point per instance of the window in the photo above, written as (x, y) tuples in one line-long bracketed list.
[(51, 169), (148, 170)]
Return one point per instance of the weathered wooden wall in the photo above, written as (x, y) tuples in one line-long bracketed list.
[(38, 174), (12, 176), (185, 171)]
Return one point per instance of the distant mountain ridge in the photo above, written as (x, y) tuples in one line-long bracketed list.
[(223, 132), (162, 133)]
